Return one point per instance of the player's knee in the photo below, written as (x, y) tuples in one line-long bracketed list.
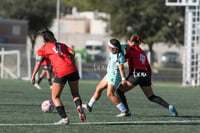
[(54, 98), (152, 98), (109, 95)]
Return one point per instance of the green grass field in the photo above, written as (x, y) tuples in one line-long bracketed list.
[(20, 110)]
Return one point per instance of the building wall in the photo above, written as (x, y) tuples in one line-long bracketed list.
[(77, 40), (13, 31)]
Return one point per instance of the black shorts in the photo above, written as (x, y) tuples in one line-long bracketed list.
[(46, 67), (140, 77), (70, 77)]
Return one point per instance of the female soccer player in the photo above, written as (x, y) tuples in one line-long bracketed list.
[(140, 73), (115, 75), (61, 57), (46, 69)]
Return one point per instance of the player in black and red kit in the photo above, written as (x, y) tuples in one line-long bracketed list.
[(64, 68), (46, 69), (140, 74)]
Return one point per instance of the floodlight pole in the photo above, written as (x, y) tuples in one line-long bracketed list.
[(58, 19)]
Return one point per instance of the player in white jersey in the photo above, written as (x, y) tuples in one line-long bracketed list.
[(115, 75)]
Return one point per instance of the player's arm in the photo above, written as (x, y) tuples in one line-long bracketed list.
[(121, 69), (122, 73), (71, 53), (36, 68)]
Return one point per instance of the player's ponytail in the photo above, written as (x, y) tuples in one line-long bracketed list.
[(137, 40), (48, 36)]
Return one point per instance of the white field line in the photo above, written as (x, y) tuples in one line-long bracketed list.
[(111, 123)]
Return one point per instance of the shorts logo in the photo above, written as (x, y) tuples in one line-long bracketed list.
[(139, 74)]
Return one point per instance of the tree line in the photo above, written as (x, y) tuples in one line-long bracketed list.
[(150, 19)]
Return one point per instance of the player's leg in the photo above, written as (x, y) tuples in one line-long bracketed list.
[(48, 75), (56, 94), (110, 94), (97, 94), (73, 81), (123, 89), (41, 76), (40, 79), (77, 99), (150, 95), (130, 84)]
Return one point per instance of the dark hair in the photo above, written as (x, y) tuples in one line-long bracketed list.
[(136, 39), (48, 35), (117, 44)]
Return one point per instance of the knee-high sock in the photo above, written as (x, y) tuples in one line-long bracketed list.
[(122, 97), (159, 100), (61, 111)]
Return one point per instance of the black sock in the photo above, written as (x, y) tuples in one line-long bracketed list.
[(50, 83), (61, 111), (159, 100), (122, 98), (40, 79)]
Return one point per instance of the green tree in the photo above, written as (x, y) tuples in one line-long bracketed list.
[(39, 14), (150, 19)]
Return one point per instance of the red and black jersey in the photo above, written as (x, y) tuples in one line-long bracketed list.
[(137, 59), (59, 57)]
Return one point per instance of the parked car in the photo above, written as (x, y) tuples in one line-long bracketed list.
[(96, 50), (171, 59)]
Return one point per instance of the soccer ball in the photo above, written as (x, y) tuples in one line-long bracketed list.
[(47, 106)]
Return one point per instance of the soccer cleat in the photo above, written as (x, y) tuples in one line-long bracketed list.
[(124, 114), (63, 121), (129, 113), (173, 111), (37, 86), (81, 113), (87, 107)]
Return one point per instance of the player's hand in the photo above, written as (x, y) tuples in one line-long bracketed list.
[(33, 80), (123, 82)]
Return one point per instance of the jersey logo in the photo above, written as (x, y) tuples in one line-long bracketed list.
[(57, 50), (142, 58)]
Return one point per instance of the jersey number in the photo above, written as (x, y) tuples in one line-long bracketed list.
[(58, 50), (142, 58)]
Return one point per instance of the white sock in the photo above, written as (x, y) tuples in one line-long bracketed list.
[(92, 102), (121, 107)]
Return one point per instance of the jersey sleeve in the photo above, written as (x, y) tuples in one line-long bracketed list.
[(121, 59), (41, 54), (68, 48), (123, 47)]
